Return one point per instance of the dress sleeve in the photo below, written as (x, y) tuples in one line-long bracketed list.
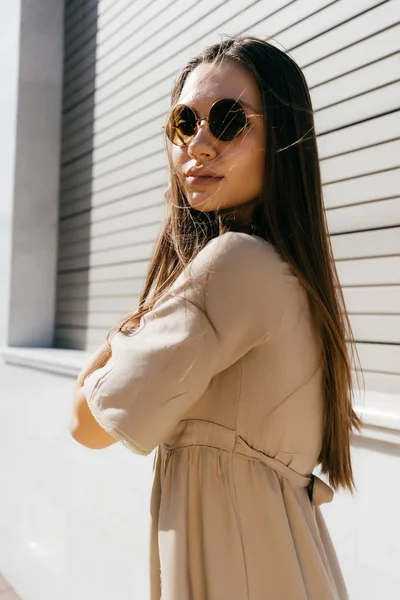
[(225, 302)]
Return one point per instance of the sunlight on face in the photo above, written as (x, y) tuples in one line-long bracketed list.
[(239, 163)]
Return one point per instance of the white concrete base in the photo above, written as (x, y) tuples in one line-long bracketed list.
[(76, 521)]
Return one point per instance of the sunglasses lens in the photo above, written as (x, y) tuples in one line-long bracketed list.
[(227, 119), (181, 125)]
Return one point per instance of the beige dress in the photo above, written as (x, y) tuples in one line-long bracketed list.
[(224, 378)]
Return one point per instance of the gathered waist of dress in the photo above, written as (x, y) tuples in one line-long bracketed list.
[(198, 432)]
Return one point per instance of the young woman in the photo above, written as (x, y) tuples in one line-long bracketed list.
[(236, 365)]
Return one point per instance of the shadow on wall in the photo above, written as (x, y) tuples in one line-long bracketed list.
[(80, 48)]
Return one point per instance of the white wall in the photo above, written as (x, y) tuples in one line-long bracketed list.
[(36, 180), (366, 529), (9, 57), (74, 522)]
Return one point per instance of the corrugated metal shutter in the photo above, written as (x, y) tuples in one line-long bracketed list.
[(120, 61)]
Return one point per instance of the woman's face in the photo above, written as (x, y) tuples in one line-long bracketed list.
[(239, 163)]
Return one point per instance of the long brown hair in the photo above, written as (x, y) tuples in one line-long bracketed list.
[(290, 215)]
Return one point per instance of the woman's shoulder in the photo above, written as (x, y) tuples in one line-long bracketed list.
[(234, 268), (236, 281), (236, 251)]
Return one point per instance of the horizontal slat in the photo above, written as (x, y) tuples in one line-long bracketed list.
[(369, 271), (357, 109), (77, 15), (384, 213), (77, 171), (109, 18), (155, 101), (85, 35), (357, 82), (139, 186), (134, 252), (107, 273), (372, 300), (128, 31), (131, 18), (132, 286), (367, 133), (366, 23), (333, 16), (99, 184), (111, 304), (352, 58), (90, 320), (363, 189), (142, 126), (379, 382), (107, 243), (379, 357), (361, 162), (367, 243), (70, 246), (141, 224), (119, 21), (144, 205), (384, 329)]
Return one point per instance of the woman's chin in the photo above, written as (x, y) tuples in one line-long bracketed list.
[(204, 201)]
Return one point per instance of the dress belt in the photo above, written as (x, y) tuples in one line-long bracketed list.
[(196, 432)]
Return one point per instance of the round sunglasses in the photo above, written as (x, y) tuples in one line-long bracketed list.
[(226, 120)]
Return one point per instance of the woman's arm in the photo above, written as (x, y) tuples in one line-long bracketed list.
[(96, 361), (83, 427), (227, 301)]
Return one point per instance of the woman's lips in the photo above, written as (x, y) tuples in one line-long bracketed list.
[(203, 181)]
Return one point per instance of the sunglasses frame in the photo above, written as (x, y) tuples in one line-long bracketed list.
[(198, 121)]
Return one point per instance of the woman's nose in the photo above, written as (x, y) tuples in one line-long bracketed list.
[(203, 142)]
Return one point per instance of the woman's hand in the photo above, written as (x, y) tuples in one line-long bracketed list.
[(83, 427)]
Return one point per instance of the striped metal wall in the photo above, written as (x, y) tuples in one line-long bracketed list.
[(121, 57)]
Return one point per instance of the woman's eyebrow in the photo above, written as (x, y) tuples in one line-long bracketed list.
[(244, 104)]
